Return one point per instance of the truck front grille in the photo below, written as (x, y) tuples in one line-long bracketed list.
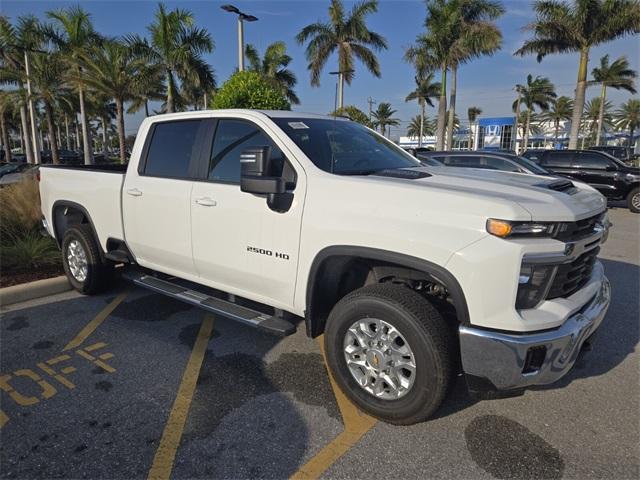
[(571, 277), (570, 232)]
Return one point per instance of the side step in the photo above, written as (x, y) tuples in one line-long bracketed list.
[(248, 316)]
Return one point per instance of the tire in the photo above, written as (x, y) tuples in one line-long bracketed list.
[(633, 200), (428, 338), (96, 275)]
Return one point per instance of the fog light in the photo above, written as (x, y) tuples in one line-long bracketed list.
[(533, 284)]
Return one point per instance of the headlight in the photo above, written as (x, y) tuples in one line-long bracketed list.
[(533, 284), (506, 228)]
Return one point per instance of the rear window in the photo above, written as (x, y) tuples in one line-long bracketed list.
[(172, 147)]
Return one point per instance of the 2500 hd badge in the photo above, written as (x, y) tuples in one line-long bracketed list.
[(268, 253)]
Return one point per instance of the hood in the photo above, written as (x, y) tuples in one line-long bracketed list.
[(545, 198)]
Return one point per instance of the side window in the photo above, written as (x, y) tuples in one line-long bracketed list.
[(593, 161), (231, 139), (472, 161), (557, 159), (495, 163), (172, 146)]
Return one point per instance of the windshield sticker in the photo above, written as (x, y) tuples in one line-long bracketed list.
[(297, 125)]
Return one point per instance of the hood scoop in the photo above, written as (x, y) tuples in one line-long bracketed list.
[(560, 185), (407, 173)]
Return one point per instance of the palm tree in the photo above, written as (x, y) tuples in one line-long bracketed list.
[(628, 118), (476, 36), (419, 124), (73, 33), (538, 92), (457, 31), (472, 114), (578, 26), (455, 124), (273, 66), (383, 117), (591, 118), (426, 88), (48, 72), (349, 36), (618, 75), (560, 109), (150, 86), (355, 114), (16, 44), (113, 70), (176, 48), (6, 105)]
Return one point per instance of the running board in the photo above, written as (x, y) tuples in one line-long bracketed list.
[(248, 316)]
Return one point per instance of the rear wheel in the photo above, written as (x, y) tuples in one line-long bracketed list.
[(633, 200), (82, 263), (390, 351)]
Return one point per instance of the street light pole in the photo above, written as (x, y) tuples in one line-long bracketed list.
[(340, 95), (240, 44), (241, 18)]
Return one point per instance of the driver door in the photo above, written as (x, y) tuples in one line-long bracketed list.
[(240, 245)]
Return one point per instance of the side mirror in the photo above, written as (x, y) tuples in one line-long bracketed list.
[(611, 168), (255, 170)]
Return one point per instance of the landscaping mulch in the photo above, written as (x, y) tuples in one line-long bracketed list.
[(9, 278)]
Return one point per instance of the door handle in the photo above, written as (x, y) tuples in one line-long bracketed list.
[(206, 202), (134, 192)]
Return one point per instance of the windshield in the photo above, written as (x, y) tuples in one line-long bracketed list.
[(344, 147)]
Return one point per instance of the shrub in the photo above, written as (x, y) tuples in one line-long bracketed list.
[(19, 208), (250, 90), (28, 251)]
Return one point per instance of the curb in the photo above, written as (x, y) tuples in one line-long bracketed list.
[(33, 290)]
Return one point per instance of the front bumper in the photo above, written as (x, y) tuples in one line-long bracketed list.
[(495, 361)]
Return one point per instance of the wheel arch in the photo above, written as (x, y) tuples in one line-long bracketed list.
[(338, 270), (66, 213)]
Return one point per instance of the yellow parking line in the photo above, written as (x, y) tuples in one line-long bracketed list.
[(90, 327), (356, 424), (166, 453)]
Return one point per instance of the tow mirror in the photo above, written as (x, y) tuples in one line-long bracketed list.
[(255, 166)]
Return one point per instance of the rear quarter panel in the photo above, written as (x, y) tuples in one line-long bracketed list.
[(99, 193)]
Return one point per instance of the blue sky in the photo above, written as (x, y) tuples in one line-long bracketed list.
[(487, 82)]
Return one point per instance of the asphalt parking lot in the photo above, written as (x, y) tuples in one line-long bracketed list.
[(131, 384)]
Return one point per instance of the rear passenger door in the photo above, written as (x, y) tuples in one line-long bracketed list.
[(560, 162), (156, 198), (240, 245), (598, 171)]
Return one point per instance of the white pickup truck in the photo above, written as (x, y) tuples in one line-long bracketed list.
[(412, 275)]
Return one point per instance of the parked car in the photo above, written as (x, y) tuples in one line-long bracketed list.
[(408, 272), (417, 150), (624, 154), (26, 171), (506, 162), (13, 167), (614, 179)]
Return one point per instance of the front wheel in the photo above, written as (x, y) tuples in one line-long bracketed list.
[(633, 200), (390, 352), (85, 269)]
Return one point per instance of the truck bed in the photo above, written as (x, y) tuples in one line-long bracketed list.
[(96, 189)]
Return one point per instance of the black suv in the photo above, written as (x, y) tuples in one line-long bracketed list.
[(610, 176), (621, 153)]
